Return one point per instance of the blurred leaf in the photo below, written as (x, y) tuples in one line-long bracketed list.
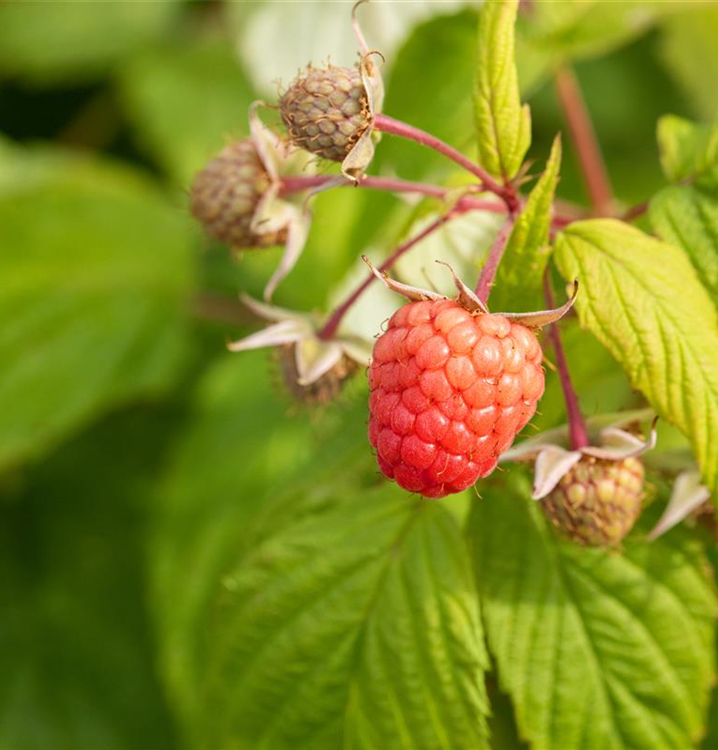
[(186, 102), (597, 649), (95, 270), (503, 125), (462, 243), (566, 31), (356, 625), (75, 645), (686, 148), (57, 43), (689, 44), (657, 321), (320, 32), (431, 77), (519, 279), (687, 216), (242, 439)]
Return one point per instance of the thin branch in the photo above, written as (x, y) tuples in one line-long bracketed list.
[(330, 327), (635, 211), (585, 142), (387, 124), (488, 272), (576, 424)]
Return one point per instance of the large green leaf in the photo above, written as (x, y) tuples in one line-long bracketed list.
[(520, 275), (503, 125), (243, 438), (186, 102), (95, 269), (355, 625), (644, 302), (58, 42), (597, 649), (687, 216), (687, 149), (75, 641)]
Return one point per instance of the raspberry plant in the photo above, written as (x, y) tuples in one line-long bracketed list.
[(443, 476)]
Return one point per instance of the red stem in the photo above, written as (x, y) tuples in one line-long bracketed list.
[(488, 272), (576, 424), (635, 211), (330, 327), (292, 185), (585, 142), (387, 124)]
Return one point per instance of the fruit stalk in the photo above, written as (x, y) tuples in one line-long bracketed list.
[(488, 272), (578, 433), (387, 124), (585, 142), (330, 327)]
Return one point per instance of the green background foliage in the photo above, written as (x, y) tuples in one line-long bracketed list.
[(187, 558)]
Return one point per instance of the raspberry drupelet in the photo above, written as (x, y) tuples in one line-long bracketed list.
[(450, 389)]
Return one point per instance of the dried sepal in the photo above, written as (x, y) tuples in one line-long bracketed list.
[(543, 317), (412, 293), (688, 495), (312, 367), (552, 463)]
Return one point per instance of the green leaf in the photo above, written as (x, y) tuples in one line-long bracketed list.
[(687, 216), (644, 302), (527, 250), (95, 269), (597, 648), (686, 148), (450, 43), (76, 642), (186, 102), (219, 475), (565, 32), (504, 126), (52, 43), (687, 44), (355, 625)]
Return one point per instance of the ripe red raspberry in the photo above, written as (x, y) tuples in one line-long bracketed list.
[(450, 389)]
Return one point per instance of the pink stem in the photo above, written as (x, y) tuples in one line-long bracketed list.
[(585, 142), (635, 211), (576, 425), (291, 185), (330, 327), (387, 124), (488, 272)]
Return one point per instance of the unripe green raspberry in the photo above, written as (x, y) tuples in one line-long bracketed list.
[(225, 194), (597, 502), (326, 111)]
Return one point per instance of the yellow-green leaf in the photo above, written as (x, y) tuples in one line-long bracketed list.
[(643, 300), (503, 125)]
